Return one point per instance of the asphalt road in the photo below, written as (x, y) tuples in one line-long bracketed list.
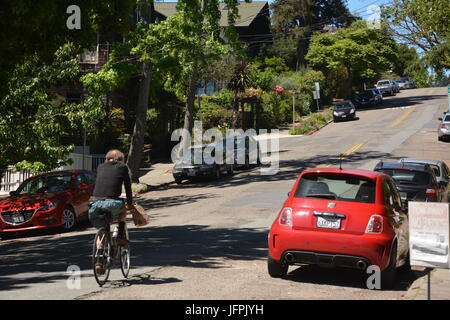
[(207, 240)]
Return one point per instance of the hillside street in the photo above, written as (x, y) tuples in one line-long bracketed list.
[(207, 240)]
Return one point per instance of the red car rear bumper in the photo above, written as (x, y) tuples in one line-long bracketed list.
[(40, 220), (330, 248)]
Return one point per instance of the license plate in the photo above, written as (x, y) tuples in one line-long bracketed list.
[(403, 195), (191, 172), (344, 116), (330, 223), (18, 219)]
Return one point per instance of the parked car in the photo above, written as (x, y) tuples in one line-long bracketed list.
[(402, 84), (415, 182), (201, 161), (54, 199), (246, 149), (385, 87), (395, 86), (378, 95), (409, 84), (344, 110), (341, 218), (366, 98), (444, 127), (440, 169)]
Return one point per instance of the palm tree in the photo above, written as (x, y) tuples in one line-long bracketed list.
[(238, 83)]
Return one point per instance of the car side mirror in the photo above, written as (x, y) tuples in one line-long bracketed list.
[(289, 193), (440, 119)]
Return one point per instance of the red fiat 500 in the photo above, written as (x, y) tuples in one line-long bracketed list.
[(54, 199), (341, 218)]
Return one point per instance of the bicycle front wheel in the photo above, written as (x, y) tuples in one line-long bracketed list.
[(124, 252), (101, 256)]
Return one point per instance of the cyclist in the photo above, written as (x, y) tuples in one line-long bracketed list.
[(111, 175)]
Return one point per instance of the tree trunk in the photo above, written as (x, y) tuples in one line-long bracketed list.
[(189, 115), (137, 141)]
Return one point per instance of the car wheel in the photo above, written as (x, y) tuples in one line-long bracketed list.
[(406, 268), (178, 180), (388, 275), (69, 219), (276, 269)]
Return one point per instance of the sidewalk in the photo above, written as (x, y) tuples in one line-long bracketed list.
[(439, 284), (159, 175)]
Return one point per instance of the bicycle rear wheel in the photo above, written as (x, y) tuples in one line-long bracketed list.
[(101, 256), (124, 252)]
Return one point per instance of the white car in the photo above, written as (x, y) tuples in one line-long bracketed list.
[(444, 127)]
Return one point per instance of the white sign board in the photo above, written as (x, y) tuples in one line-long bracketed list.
[(429, 231), (316, 95), (317, 86)]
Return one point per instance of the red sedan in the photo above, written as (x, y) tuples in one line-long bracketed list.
[(341, 218), (54, 199)]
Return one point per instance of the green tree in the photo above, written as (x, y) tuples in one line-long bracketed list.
[(299, 19), (39, 28), (358, 54), (424, 24), (33, 119)]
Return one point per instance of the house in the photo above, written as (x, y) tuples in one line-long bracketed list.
[(253, 24)]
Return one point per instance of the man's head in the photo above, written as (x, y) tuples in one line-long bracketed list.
[(115, 155)]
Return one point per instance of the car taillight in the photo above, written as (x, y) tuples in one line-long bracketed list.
[(431, 193), (375, 224), (286, 217)]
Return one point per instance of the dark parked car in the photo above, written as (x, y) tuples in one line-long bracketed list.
[(440, 169), (378, 95), (344, 110), (204, 164), (415, 182), (54, 199), (247, 151), (366, 98)]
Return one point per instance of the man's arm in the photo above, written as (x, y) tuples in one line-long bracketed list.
[(127, 183)]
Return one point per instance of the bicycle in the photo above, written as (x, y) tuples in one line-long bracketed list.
[(109, 251)]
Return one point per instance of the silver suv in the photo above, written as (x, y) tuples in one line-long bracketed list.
[(386, 87)]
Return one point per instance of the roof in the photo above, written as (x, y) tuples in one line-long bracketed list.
[(420, 160), (356, 172), (247, 11), (403, 166)]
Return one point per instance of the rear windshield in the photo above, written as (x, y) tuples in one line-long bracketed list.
[(336, 187), (447, 118), (343, 106), (384, 83), (411, 177), (366, 94)]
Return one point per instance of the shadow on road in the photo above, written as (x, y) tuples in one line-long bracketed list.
[(397, 102), (345, 277), (26, 262)]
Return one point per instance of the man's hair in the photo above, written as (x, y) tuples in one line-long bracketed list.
[(115, 155)]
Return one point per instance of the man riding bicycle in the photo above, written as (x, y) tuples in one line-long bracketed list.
[(111, 175)]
